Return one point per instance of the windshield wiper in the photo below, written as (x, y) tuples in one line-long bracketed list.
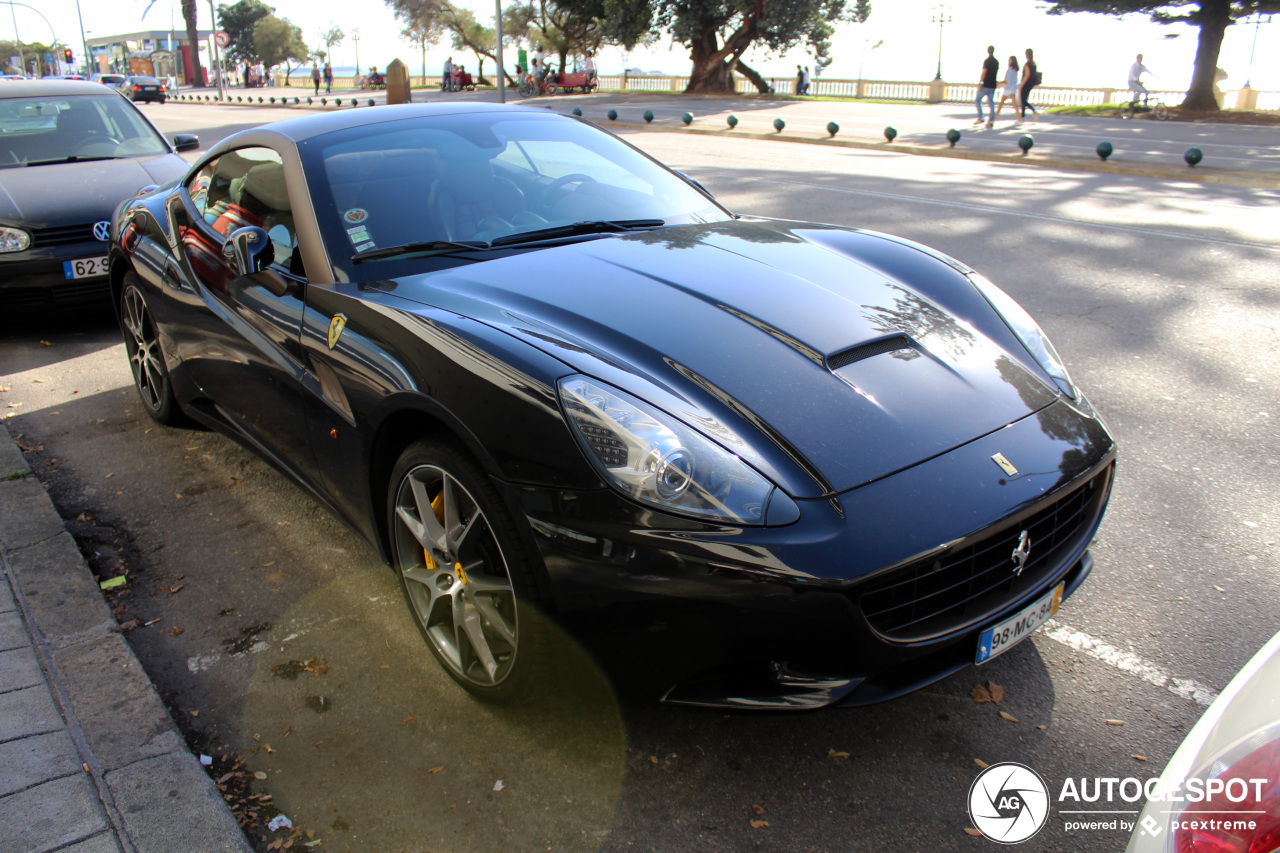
[(578, 228), (72, 159), (434, 247)]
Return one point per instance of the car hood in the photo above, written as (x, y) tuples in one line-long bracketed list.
[(851, 372), (62, 194)]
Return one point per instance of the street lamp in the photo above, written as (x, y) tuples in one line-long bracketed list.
[(355, 40), (941, 17), (1257, 22)]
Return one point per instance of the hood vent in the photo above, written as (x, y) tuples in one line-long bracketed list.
[(844, 358)]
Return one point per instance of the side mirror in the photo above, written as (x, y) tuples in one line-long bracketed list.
[(250, 253), (185, 141)]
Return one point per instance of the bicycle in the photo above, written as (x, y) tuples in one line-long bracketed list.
[(1133, 108), (530, 86)]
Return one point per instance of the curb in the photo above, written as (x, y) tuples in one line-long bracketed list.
[(1204, 175), (151, 793)]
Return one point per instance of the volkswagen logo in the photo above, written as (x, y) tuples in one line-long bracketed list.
[(1021, 554), (102, 230)]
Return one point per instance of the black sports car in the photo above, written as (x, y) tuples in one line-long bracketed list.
[(783, 464), (70, 152)]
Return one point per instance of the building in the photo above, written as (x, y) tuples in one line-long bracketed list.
[(159, 53)]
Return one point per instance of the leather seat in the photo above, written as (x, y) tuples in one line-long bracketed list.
[(472, 203)]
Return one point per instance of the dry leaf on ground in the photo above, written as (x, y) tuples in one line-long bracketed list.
[(757, 808), (982, 765), (831, 753), (1141, 757), (1115, 722), (976, 833), (1010, 717), (757, 824)]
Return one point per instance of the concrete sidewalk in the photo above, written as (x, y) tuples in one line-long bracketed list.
[(90, 760)]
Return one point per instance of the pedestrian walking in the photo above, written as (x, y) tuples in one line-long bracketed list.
[(1010, 90), (804, 81), (987, 86), (315, 77), (1030, 79), (799, 80), (328, 78), (448, 75), (1136, 70)]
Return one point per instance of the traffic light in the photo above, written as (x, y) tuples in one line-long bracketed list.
[(66, 54)]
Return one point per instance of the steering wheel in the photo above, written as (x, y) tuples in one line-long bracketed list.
[(102, 146), (559, 183)]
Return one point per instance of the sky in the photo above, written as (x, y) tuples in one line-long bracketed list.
[(1072, 50)]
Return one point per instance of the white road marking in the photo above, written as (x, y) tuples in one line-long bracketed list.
[(1136, 665)]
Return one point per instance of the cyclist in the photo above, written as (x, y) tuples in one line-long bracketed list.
[(1136, 70)]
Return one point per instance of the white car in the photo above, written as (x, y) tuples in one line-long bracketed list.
[(1220, 792)]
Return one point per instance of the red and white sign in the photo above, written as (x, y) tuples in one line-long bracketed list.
[(221, 38)]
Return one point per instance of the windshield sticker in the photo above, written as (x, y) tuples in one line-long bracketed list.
[(356, 215), (364, 247), (358, 235), (356, 230)]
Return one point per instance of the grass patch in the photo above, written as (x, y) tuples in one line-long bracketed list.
[(1084, 110), (17, 475)]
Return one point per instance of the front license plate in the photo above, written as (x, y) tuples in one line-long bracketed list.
[(998, 639), (84, 268)]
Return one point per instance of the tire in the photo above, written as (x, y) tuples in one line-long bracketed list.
[(146, 360), (526, 89), (466, 575), (1126, 111), (1162, 112), (553, 90)]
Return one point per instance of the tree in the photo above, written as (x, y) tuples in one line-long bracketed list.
[(718, 32), (422, 31), (330, 37), (32, 51), (278, 42), (1211, 16), (237, 21), (193, 39)]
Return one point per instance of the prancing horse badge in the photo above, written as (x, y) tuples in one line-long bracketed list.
[(336, 325)]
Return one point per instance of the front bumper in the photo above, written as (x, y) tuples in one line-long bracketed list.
[(35, 279), (775, 617)]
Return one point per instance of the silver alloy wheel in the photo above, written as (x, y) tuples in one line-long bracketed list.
[(456, 576), (144, 350)]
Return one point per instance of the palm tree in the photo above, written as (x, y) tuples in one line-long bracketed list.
[(193, 39)]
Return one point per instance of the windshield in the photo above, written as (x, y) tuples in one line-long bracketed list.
[(486, 177), (59, 128)]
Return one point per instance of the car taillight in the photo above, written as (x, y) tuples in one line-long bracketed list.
[(137, 88), (1246, 821), (162, 88)]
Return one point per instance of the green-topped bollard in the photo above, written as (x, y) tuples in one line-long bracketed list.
[(953, 136), (687, 118), (1104, 150), (371, 102), (648, 116), (1025, 142), (833, 128), (273, 99), (296, 101), (1193, 156), (890, 133), (309, 101), (613, 115), (779, 124), (239, 99), (259, 99), (324, 102), (577, 111), (732, 120)]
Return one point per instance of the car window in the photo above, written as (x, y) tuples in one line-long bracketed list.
[(40, 130), (247, 187)]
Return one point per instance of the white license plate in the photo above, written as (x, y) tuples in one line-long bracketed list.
[(84, 268), (998, 639)]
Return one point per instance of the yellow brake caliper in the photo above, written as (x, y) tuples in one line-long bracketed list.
[(437, 506)]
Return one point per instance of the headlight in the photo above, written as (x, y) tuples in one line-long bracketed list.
[(14, 240), (1029, 332), (655, 459)]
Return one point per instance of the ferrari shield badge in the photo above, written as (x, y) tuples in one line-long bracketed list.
[(336, 325), (999, 459)]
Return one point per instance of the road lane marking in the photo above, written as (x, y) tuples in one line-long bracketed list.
[(1128, 662)]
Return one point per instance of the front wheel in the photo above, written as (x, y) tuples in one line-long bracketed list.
[(1162, 112), (465, 574), (1126, 111), (146, 361), (526, 89)]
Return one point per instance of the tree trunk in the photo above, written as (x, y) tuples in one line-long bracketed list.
[(713, 66), (754, 76), (1215, 17), (193, 40)]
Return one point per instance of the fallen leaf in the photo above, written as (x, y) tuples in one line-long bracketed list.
[(980, 694), (1141, 757), (1010, 717), (408, 721), (195, 713), (46, 344), (997, 692), (976, 833), (758, 824), (757, 808), (225, 777), (981, 764), (1218, 588), (831, 753), (268, 565), (174, 589), (1043, 728), (112, 583), (175, 631), (653, 759), (1115, 722), (498, 786), (33, 380), (436, 769), (384, 666), (178, 496), (259, 775), (287, 732), (4, 388)]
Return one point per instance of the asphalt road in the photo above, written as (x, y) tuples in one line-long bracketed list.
[(280, 638)]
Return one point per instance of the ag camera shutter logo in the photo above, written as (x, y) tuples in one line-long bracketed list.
[(1009, 802)]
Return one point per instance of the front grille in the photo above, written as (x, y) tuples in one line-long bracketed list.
[(976, 579), (41, 237), (71, 294)]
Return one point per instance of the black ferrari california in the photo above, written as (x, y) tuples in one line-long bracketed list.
[(557, 385), (70, 152)]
